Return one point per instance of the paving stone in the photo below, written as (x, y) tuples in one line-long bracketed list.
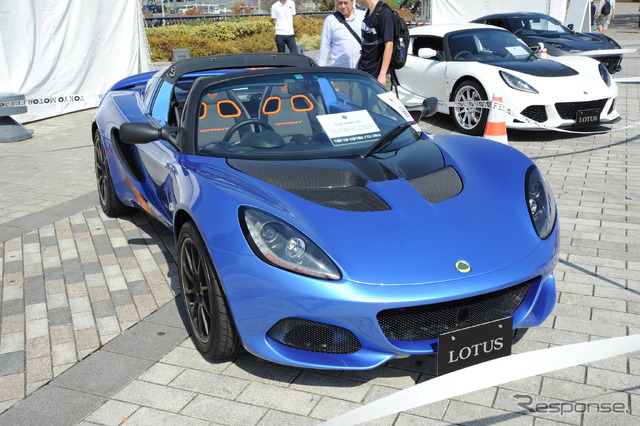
[(278, 398), (114, 413), (38, 347), (11, 388), (103, 309), (210, 384), (329, 408), (155, 396), (279, 418), (59, 316), (12, 342), (147, 340), (161, 374), (222, 411), (149, 416), (52, 406), (613, 380), (39, 369), (266, 372), (465, 413), (337, 387), (12, 363)]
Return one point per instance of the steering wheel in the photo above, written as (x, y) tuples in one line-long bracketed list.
[(518, 31), (239, 124), (461, 54)]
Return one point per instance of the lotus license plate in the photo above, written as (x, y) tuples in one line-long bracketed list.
[(588, 117), (473, 345)]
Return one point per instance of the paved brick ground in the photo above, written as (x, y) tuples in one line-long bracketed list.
[(91, 333)]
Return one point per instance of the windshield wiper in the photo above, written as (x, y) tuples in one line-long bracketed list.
[(387, 138)]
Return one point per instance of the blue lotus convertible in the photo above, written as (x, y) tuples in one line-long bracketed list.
[(316, 224)]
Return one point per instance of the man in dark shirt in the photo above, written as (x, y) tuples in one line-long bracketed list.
[(377, 40)]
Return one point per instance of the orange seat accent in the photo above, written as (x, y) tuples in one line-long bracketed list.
[(205, 108), (274, 103), (231, 109), (301, 103)]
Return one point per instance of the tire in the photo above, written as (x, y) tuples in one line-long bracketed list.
[(208, 319), (469, 120), (109, 201)]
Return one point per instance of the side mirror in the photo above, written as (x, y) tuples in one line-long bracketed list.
[(570, 26), (427, 53), (133, 133), (428, 108)]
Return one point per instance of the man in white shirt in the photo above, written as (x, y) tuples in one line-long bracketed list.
[(337, 41), (282, 13)]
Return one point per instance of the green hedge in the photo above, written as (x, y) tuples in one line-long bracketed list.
[(246, 35)]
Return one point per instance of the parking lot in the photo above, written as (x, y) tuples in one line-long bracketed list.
[(91, 333)]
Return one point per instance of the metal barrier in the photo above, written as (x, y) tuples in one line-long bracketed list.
[(170, 19)]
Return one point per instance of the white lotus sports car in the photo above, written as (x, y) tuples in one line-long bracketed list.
[(473, 62)]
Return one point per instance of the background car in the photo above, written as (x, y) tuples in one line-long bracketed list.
[(473, 62), (316, 224), (534, 28)]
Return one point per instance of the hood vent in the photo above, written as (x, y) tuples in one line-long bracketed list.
[(538, 68), (441, 185)]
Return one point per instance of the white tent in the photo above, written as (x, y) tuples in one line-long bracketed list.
[(448, 11), (63, 55)]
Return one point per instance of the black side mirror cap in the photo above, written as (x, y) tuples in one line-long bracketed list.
[(133, 133), (428, 108)]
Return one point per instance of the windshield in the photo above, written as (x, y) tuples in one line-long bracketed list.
[(536, 26), (297, 115), (487, 46)]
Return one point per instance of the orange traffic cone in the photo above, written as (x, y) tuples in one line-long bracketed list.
[(496, 128)]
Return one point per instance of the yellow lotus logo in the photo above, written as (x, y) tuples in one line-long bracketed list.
[(463, 266)]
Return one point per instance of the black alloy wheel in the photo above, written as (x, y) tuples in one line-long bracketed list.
[(208, 318), (109, 201)]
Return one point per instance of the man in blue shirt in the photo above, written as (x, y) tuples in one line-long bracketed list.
[(377, 39), (337, 41)]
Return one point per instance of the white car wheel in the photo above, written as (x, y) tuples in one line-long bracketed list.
[(469, 119)]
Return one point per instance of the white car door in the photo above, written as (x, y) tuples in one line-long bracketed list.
[(422, 77)]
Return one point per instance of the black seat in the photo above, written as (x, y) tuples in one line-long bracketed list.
[(290, 111), (219, 112)]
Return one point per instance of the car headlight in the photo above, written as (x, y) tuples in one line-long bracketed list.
[(281, 245), (540, 201), (517, 83), (604, 73)]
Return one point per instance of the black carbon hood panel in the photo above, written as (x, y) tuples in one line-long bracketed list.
[(334, 188), (342, 183), (440, 185), (539, 68)]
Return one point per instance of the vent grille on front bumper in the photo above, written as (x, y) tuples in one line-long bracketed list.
[(535, 112), (568, 110), (314, 336), (430, 321)]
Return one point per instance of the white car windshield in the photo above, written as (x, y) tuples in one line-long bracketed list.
[(487, 46)]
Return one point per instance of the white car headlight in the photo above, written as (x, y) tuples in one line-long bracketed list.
[(517, 83), (281, 245), (540, 201)]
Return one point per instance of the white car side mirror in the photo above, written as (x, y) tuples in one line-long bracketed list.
[(427, 53)]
